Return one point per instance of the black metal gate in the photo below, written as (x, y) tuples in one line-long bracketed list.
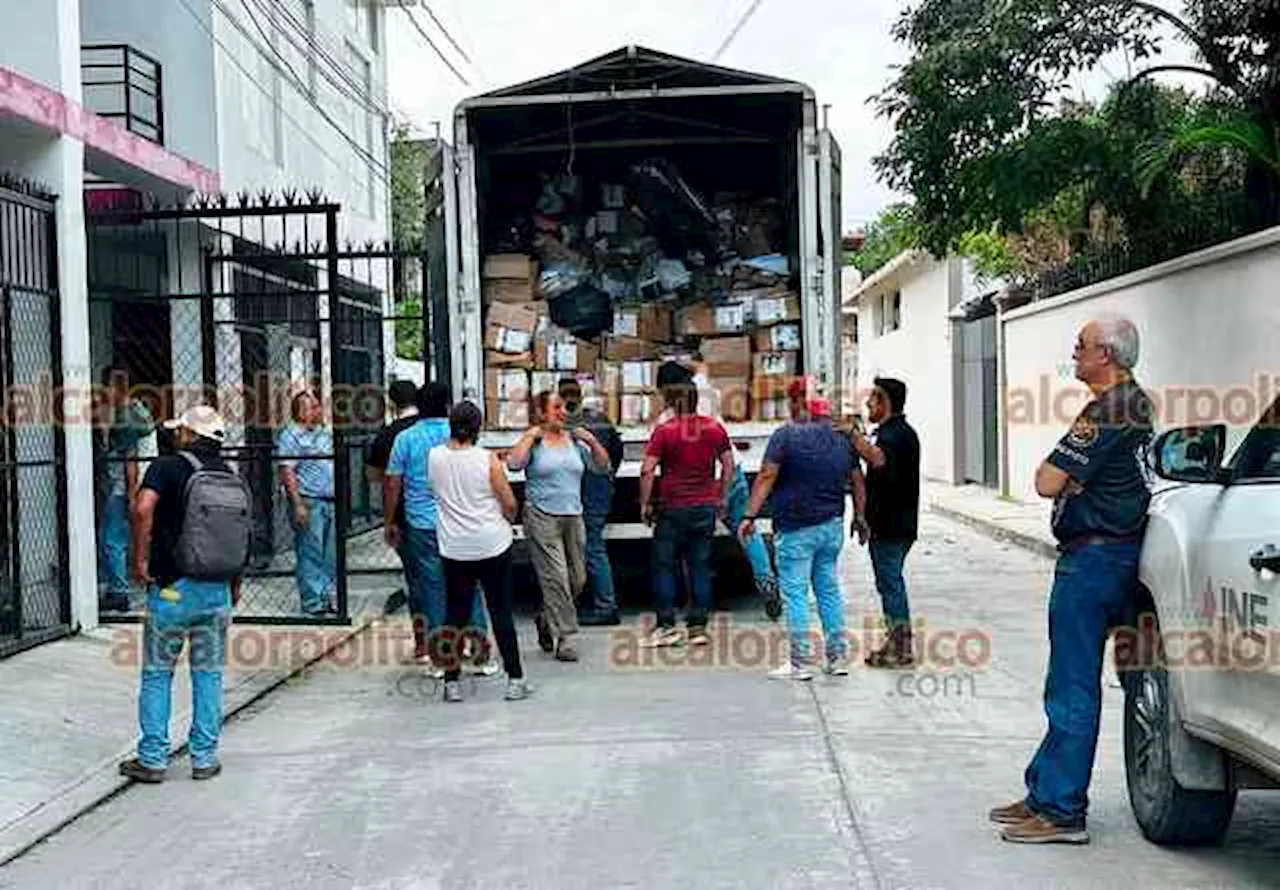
[(245, 303), (34, 586)]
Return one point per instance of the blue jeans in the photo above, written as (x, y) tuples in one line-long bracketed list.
[(809, 556), (188, 611), (316, 551), (735, 509), (599, 571), (687, 532), (887, 559), (425, 575), (1090, 589), (113, 545)]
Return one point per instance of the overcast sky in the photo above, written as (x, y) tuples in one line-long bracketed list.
[(840, 48)]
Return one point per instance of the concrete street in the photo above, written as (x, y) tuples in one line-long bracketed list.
[(672, 776)]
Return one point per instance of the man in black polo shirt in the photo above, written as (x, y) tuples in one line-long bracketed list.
[(893, 508), (404, 398), (1097, 478), (179, 609)]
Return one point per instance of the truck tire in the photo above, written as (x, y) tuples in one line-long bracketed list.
[(1167, 813)]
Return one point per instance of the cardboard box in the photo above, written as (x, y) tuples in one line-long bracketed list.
[(776, 309), (609, 377), (776, 408), (652, 323), (542, 381), (522, 360), (639, 376), (506, 384), (764, 389), (727, 357), (507, 291), (779, 338), (629, 349), (734, 398), (507, 340), (516, 316), (576, 355), (510, 266), (702, 320), (775, 364), (500, 414), (637, 410)]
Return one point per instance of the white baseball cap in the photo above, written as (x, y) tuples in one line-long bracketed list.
[(202, 420)]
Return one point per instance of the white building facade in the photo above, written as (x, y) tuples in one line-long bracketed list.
[(107, 102)]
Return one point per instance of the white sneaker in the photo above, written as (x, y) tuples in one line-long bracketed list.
[(518, 690), (790, 671), (661, 637), (487, 669)]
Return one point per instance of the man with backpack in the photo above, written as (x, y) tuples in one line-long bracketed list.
[(597, 501), (192, 533)]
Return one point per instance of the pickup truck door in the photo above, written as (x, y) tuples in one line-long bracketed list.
[(1236, 574)]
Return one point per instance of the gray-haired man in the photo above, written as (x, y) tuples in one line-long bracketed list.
[(1096, 477)]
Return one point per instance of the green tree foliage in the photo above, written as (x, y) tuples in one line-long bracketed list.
[(409, 159), (889, 234), (985, 136)]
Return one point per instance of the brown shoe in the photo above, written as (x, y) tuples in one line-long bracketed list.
[(1039, 830), (1011, 814), (134, 770), (566, 652)]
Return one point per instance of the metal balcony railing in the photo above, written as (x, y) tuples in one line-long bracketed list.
[(124, 84)]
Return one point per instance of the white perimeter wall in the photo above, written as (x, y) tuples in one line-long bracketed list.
[(1210, 348)]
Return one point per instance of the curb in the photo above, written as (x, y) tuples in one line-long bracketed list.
[(103, 782), (998, 532)]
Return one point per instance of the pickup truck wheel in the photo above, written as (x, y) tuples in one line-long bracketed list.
[(1167, 813)]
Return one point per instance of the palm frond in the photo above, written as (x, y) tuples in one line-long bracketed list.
[(1160, 156)]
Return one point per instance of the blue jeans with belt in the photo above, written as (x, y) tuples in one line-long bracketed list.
[(316, 550), (186, 612), (735, 509), (1090, 590)]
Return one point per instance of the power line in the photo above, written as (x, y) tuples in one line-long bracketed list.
[(362, 151), (447, 36), (431, 43), (345, 83), (733, 34), (274, 100)]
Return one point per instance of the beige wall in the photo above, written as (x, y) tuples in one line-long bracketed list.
[(922, 353), (1210, 345)]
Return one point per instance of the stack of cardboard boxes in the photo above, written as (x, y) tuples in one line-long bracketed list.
[(749, 346)]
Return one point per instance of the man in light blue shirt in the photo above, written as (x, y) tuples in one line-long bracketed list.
[(305, 453), (414, 535)]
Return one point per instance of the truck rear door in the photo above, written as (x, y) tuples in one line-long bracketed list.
[(462, 240), (830, 228)]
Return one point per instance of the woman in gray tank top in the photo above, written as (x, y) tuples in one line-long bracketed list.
[(554, 461)]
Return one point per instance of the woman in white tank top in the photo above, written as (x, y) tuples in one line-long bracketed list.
[(475, 504)]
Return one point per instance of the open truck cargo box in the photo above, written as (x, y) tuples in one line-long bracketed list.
[(726, 139)]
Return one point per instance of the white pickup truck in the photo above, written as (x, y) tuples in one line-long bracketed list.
[(1200, 660)]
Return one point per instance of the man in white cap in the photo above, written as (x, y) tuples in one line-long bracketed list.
[(191, 546)]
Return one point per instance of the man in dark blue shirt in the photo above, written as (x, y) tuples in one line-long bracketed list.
[(1096, 476), (807, 469)]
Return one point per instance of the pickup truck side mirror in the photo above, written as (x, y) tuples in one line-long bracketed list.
[(1191, 454)]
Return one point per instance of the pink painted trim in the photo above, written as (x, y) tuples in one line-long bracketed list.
[(50, 109)]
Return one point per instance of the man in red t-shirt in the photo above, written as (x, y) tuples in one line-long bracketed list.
[(687, 448)]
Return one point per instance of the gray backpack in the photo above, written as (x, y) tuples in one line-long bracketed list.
[(216, 525)]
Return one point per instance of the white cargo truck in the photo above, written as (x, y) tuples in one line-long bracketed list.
[(726, 131)]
